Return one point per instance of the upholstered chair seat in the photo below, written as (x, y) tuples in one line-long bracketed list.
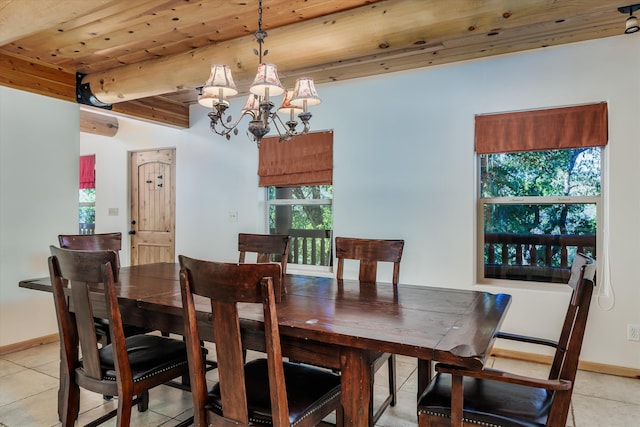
[(308, 390)]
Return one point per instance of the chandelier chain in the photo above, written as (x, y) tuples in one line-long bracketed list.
[(260, 35)]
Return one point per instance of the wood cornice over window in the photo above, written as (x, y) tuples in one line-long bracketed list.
[(304, 160), (548, 129)]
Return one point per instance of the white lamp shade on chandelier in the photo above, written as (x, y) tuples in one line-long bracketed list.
[(266, 81), (220, 82), (304, 92), (287, 107)]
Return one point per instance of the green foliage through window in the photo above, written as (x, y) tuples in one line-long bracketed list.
[(304, 213)]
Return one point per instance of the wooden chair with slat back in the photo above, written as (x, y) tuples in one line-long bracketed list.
[(268, 247), (263, 391), (99, 242), (129, 366), (497, 398), (370, 252)]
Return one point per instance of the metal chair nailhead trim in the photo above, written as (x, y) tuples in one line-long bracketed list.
[(149, 375)]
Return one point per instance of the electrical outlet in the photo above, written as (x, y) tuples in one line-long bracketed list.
[(633, 332), (233, 216)]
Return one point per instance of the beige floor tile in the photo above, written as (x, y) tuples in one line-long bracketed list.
[(23, 384), (7, 367), (169, 401), (536, 370), (28, 397), (620, 389), (35, 356), (52, 369), (594, 412), (36, 410), (139, 419), (404, 414)]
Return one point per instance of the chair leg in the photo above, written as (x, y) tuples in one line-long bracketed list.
[(124, 410), (393, 390), (69, 402), (391, 398), (143, 404)]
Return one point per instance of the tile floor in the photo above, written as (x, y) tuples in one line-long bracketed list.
[(28, 392)]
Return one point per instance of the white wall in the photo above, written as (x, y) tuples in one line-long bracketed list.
[(39, 140), (404, 167)]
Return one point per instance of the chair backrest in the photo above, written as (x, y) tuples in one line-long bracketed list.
[(369, 252), (565, 362), (92, 242), (226, 285), (265, 245), (83, 271)]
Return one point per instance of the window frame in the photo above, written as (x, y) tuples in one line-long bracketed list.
[(534, 200), (317, 270)]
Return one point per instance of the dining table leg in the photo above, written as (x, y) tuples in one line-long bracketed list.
[(424, 375), (356, 380)]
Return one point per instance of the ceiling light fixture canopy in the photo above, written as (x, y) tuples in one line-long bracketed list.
[(220, 85), (631, 25)]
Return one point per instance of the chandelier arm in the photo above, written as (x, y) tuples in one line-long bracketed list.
[(219, 127), (237, 122), (287, 132)]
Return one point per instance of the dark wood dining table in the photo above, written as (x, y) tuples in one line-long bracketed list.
[(332, 323)]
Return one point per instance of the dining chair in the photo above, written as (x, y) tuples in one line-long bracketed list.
[(263, 391), (369, 252), (497, 398), (129, 366), (100, 242), (268, 248)]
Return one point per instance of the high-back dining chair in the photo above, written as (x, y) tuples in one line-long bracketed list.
[(265, 246), (99, 242), (263, 391), (127, 367), (93, 242), (497, 398), (370, 252)]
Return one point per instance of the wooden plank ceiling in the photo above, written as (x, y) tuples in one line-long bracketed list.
[(146, 57)]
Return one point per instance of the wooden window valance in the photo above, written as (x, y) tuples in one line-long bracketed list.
[(548, 129), (88, 171), (304, 160)]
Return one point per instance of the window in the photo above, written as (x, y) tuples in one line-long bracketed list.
[(298, 176), (538, 210), (540, 189), (87, 210), (87, 195), (305, 214)]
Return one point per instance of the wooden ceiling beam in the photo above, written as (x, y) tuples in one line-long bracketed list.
[(31, 76), (98, 124), (387, 29)]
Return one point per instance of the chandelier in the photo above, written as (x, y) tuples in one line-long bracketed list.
[(259, 105)]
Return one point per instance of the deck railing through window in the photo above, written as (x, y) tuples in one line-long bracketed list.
[(311, 247), (534, 257), (87, 228)]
